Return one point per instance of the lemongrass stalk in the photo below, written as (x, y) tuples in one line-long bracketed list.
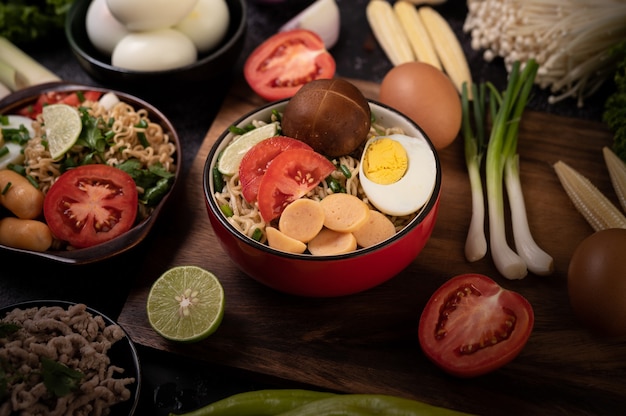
[(21, 70), (596, 208), (537, 260), (4, 90), (508, 263), (476, 242), (617, 173)]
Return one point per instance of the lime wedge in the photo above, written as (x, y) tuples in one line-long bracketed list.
[(62, 125), (185, 304), (234, 152)]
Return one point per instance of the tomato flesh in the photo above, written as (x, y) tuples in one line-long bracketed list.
[(91, 204), (256, 161), (53, 97), (290, 176), (278, 67), (472, 326)]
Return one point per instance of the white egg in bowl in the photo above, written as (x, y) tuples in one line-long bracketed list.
[(398, 173)]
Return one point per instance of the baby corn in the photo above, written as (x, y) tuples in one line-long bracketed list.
[(599, 212), (416, 32), (388, 32), (448, 47), (617, 173)]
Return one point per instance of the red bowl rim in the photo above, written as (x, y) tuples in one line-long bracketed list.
[(207, 180)]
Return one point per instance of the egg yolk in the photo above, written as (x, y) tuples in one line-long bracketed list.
[(385, 161)]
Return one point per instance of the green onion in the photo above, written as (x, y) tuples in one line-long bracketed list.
[(6, 188), (142, 139), (4, 151), (257, 234), (226, 210), (346, 172), (18, 70), (32, 181), (476, 242), (503, 165)]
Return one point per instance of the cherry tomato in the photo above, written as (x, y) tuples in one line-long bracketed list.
[(52, 97), (290, 176), (278, 67), (471, 325), (256, 160), (91, 204)]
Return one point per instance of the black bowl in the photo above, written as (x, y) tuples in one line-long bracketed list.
[(122, 354), (209, 66), (135, 235)]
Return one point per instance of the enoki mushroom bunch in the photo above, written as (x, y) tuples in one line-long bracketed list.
[(571, 40)]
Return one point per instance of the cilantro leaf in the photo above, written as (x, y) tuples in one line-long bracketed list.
[(59, 379)]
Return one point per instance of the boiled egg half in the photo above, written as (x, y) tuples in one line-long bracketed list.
[(398, 173)]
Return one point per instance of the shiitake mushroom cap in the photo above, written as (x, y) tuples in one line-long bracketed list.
[(330, 115)]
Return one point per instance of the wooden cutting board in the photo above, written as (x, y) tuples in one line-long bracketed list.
[(367, 343)]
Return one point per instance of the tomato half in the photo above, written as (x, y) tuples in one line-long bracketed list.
[(282, 64), (290, 176), (471, 325), (91, 204), (256, 161)]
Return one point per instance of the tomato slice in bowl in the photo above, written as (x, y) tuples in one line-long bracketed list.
[(472, 326), (91, 204), (256, 161), (278, 67), (290, 176)]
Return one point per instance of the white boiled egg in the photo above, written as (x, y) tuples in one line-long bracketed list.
[(103, 30), (139, 15), (398, 173), (14, 154), (207, 24), (154, 50)]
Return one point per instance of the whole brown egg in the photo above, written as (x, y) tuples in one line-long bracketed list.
[(596, 282), (427, 96)]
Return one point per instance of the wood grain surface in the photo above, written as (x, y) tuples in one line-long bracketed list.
[(367, 343)]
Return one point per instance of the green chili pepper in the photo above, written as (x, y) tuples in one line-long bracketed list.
[(369, 404), (259, 403)]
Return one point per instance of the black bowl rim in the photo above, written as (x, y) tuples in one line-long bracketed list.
[(207, 178), (223, 49), (128, 342), (123, 242)]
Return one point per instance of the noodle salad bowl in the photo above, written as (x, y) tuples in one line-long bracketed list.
[(158, 139), (304, 274)]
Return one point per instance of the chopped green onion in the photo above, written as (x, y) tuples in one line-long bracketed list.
[(218, 180), (257, 234), (226, 210), (17, 168), (6, 188), (142, 139), (4, 151), (32, 181), (346, 172)]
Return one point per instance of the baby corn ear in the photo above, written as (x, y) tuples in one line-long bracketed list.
[(617, 173), (416, 32), (448, 47), (388, 32), (599, 212)]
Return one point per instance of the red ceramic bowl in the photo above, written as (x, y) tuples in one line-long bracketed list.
[(323, 276)]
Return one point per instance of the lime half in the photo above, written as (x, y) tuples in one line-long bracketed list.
[(186, 304), (62, 125), (230, 159)]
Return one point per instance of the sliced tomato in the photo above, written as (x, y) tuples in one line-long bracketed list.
[(282, 64), (472, 326), (91, 204), (290, 176), (257, 159), (52, 97)]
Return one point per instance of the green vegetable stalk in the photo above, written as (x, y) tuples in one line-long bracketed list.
[(306, 402)]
